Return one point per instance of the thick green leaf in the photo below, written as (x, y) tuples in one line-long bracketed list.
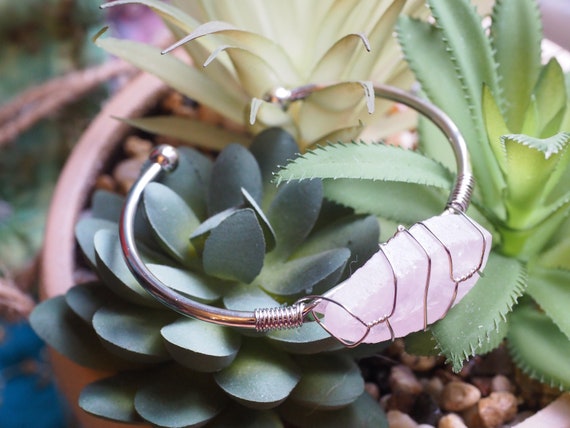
[(234, 169), (338, 57), (516, 35), (107, 205), (85, 230), (188, 80), (250, 42), (175, 397), (235, 249), (259, 377), (191, 131), (85, 299), (421, 343), (529, 242), (557, 256), (367, 161), (360, 234), (464, 74), (201, 233), (538, 347), (532, 171), (495, 126), (402, 202), (422, 44), (248, 297), (272, 148), (293, 214), (268, 232), (172, 221), (133, 332), (328, 382), (113, 397), (240, 417), (550, 98), (191, 179), (196, 286), (309, 275), (310, 338), (56, 324), (201, 346), (472, 323), (364, 412), (551, 290), (472, 55), (114, 272)]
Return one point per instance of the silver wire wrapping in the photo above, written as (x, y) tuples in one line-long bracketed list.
[(280, 317), (361, 328)]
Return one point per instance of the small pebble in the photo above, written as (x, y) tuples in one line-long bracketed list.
[(501, 383), (136, 147), (451, 420), (471, 417), (483, 384), (372, 389), (418, 363), (126, 172), (402, 379), (425, 410), (402, 401), (105, 182), (497, 408), (434, 387), (397, 419), (458, 396)]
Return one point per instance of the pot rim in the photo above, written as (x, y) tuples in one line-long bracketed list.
[(90, 155)]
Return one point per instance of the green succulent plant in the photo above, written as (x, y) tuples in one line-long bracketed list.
[(221, 233), (239, 53), (515, 115)]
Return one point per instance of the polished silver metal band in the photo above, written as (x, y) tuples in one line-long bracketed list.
[(165, 159)]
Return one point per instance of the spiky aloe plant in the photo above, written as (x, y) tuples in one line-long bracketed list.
[(240, 52), (221, 233), (515, 115)]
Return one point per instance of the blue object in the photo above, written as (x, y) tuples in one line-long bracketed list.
[(28, 396)]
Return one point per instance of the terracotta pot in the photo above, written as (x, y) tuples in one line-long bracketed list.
[(89, 157)]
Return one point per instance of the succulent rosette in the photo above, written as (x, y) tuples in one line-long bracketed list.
[(221, 233), (240, 53)]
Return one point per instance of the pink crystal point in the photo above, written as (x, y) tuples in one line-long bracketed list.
[(412, 281)]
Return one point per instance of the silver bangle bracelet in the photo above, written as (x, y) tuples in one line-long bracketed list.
[(164, 159)]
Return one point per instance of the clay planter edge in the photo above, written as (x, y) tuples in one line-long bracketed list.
[(88, 159)]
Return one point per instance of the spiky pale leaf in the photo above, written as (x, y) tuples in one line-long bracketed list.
[(538, 347), (471, 325), (550, 289), (177, 74), (191, 131), (367, 161), (516, 24), (550, 99)]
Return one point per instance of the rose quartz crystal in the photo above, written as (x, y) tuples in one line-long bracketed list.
[(410, 282)]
